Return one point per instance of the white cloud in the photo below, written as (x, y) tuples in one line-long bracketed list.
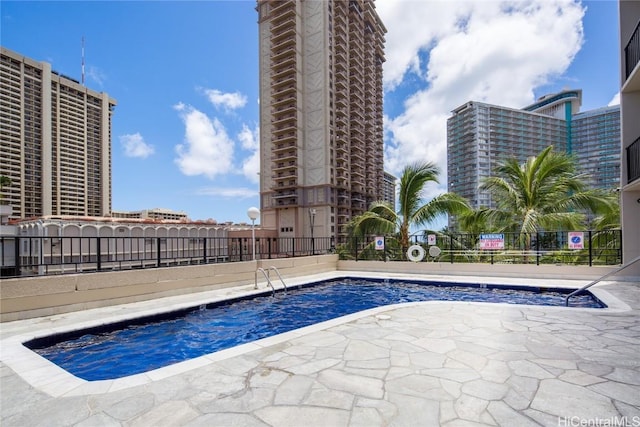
[(229, 193), (615, 100), (134, 146), (96, 74), (228, 101), (207, 150), (491, 51), (251, 164)]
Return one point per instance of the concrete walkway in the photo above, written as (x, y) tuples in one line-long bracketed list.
[(419, 364)]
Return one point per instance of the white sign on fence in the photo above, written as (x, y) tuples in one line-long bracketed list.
[(492, 241), (379, 243), (431, 239), (576, 240)]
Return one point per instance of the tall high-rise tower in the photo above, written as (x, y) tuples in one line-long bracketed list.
[(321, 137), (55, 141)]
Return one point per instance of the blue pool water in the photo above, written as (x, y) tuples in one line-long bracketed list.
[(117, 350)]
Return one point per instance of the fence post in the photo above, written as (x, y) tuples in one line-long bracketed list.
[(620, 252), (16, 245), (158, 258), (293, 247), (451, 247), (537, 248), (204, 250), (384, 249), (590, 250), (98, 254), (356, 247), (269, 246)]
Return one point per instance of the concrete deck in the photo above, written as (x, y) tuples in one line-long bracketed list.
[(417, 364)]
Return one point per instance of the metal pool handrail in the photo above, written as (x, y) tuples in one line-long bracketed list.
[(266, 276), (611, 273), (280, 277)]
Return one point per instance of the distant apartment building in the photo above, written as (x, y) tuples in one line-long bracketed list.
[(389, 189), (480, 135), (596, 146), (55, 139), (321, 110), (153, 214), (630, 146)]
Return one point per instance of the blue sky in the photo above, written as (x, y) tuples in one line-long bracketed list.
[(185, 78)]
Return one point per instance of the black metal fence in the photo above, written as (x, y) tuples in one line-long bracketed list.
[(557, 247), (32, 256), (29, 256)]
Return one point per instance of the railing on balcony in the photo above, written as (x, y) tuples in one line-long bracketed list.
[(633, 161), (632, 52)]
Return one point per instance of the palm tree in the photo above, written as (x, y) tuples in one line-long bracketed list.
[(545, 192), (608, 215), (413, 211)]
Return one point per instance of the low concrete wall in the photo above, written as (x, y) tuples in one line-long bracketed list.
[(543, 271), (25, 298)]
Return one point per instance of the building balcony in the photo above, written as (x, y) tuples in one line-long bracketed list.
[(282, 7), (340, 55), (341, 103), (284, 139), (283, 109), (288, 155), (283, 43), (280, 92), (282, 62), (283, 33), (289, 99), (286, 188), (280, 120), (284, 167), (632, 52), (282, 53), (282, 72), (286, 20), (633, 161), (340, 76)]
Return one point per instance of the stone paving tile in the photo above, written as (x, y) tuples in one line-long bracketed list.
[(427, 364)]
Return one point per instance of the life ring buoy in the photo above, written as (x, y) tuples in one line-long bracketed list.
[(415, 257)]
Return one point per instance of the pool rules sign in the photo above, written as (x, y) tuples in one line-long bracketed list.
[(576, 240), (379, 243)]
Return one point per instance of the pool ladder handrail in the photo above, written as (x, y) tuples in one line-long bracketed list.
[(284, 285), (611, 273), (268, 277)]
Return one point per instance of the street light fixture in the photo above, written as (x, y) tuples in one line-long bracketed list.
[(253, 214), (312, 218)]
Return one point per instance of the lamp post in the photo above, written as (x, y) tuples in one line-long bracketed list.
[(253, 214), (312, 217)]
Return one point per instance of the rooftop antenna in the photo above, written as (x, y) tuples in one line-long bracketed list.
[(83, 60)]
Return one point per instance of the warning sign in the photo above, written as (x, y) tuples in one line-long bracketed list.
[(492, 241), (576, 240), (379, 243)]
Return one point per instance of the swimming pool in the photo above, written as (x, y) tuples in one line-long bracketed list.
[(126, 348)]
